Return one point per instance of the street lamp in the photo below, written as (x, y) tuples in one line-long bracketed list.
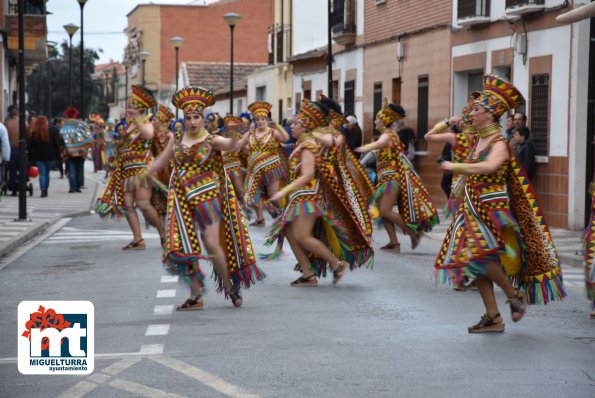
[(71, 29), (82, 61), (127, 63), (106, 73), (143, 55), (232, 19), (177, 43)]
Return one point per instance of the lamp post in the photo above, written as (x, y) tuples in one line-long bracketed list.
[(329, 56), (22, 125), (51, 48), (232, 19), (82, 61), (143, 55), (126, 64), (71, 29), (177, 43)]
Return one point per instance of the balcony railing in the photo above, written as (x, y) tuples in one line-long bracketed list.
[(32, 7), (343, 22), (473, 8), (516, 3), (35, 27)]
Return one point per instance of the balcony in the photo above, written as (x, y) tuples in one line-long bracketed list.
[(35, 28), (516, 8), (343, 26), (473, 12)]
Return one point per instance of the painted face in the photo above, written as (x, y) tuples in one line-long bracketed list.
[(297, 128), (261, 122), (194, 121), (479, 116)]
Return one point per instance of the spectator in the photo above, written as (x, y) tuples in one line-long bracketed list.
[(4, 146), (525, 151), (57, 124), (352, 133), (509, 127), (368, 161), (407, 137), (446, 181), (12, 126), (519, 120), (42, 151)]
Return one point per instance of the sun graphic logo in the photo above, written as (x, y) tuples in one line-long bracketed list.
[(56, 337)]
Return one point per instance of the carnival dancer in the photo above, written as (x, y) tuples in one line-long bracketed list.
[(267, 165), (108, 136), (202, 202), (498, 229), (161, 119), (232, 159), (247, 122), (214, 123), (398, 182), (130, 182), (350, 189), (309, 229), (589, 252)]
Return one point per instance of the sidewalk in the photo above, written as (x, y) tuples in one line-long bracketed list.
[(43, 212)]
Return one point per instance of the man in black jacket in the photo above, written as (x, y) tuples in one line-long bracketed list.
[(525, 151)]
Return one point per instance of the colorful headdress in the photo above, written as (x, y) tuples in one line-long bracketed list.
[(247, 117), (164, 115), (231, 120), (122, 124), (260, 108), (311, 115), (193, 99), (71, 113), (334, 110), (140, 99), (390, 113), (466, 114), (175, 122), (212, 117), (499, 96)]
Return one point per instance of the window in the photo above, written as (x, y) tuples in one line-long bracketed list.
[(473, 8), (475, 81), (377, 102), (349, 95), (397, 90), (422, 111), (308, 94), (239, 107), (298, 102), (539, 117), (271, 46), (335, 93), (280, 44), (280, 118), (261, 93)]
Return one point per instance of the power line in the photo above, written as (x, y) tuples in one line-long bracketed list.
[(89, 33)]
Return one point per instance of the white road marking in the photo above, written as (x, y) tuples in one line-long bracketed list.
[(166, 293), (119, 366), (163, 309), (78, 390), (157, 330), (204, 377), (151, 349), (141, 390), (169, 278)]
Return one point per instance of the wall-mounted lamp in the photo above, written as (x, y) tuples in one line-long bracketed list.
[(400, 51)]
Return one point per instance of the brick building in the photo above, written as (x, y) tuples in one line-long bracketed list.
[(206, 38)]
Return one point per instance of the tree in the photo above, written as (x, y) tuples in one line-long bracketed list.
[(54, 74)]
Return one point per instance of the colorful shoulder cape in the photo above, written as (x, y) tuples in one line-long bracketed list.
[(589, 252)]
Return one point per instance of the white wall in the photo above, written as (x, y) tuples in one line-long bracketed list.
[(310, 25), (555, 42), (498, 9), (346, 61)]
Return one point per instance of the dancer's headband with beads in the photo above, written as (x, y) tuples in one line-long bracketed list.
[(193, 99), (311, 115), (164, 115), (334, 110), (499, 96), (390, 113), (247, 117), (260, 109), (140, 99)]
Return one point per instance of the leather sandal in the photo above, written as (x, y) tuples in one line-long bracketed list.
[(193, 303), (393, 247), (339, 272), (518, 306), (258, 223), (309, 280), (234, 295), (488, 324), (135, 245)]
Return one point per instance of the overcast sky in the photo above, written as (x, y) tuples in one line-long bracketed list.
[(105, 21)]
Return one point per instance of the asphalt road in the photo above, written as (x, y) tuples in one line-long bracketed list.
[(387, 332)]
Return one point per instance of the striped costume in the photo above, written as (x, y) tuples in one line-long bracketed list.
[(232, 162), (130, 174), (201, 193), (589, 255), (266, 163), (395, 171), (499, 220)]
